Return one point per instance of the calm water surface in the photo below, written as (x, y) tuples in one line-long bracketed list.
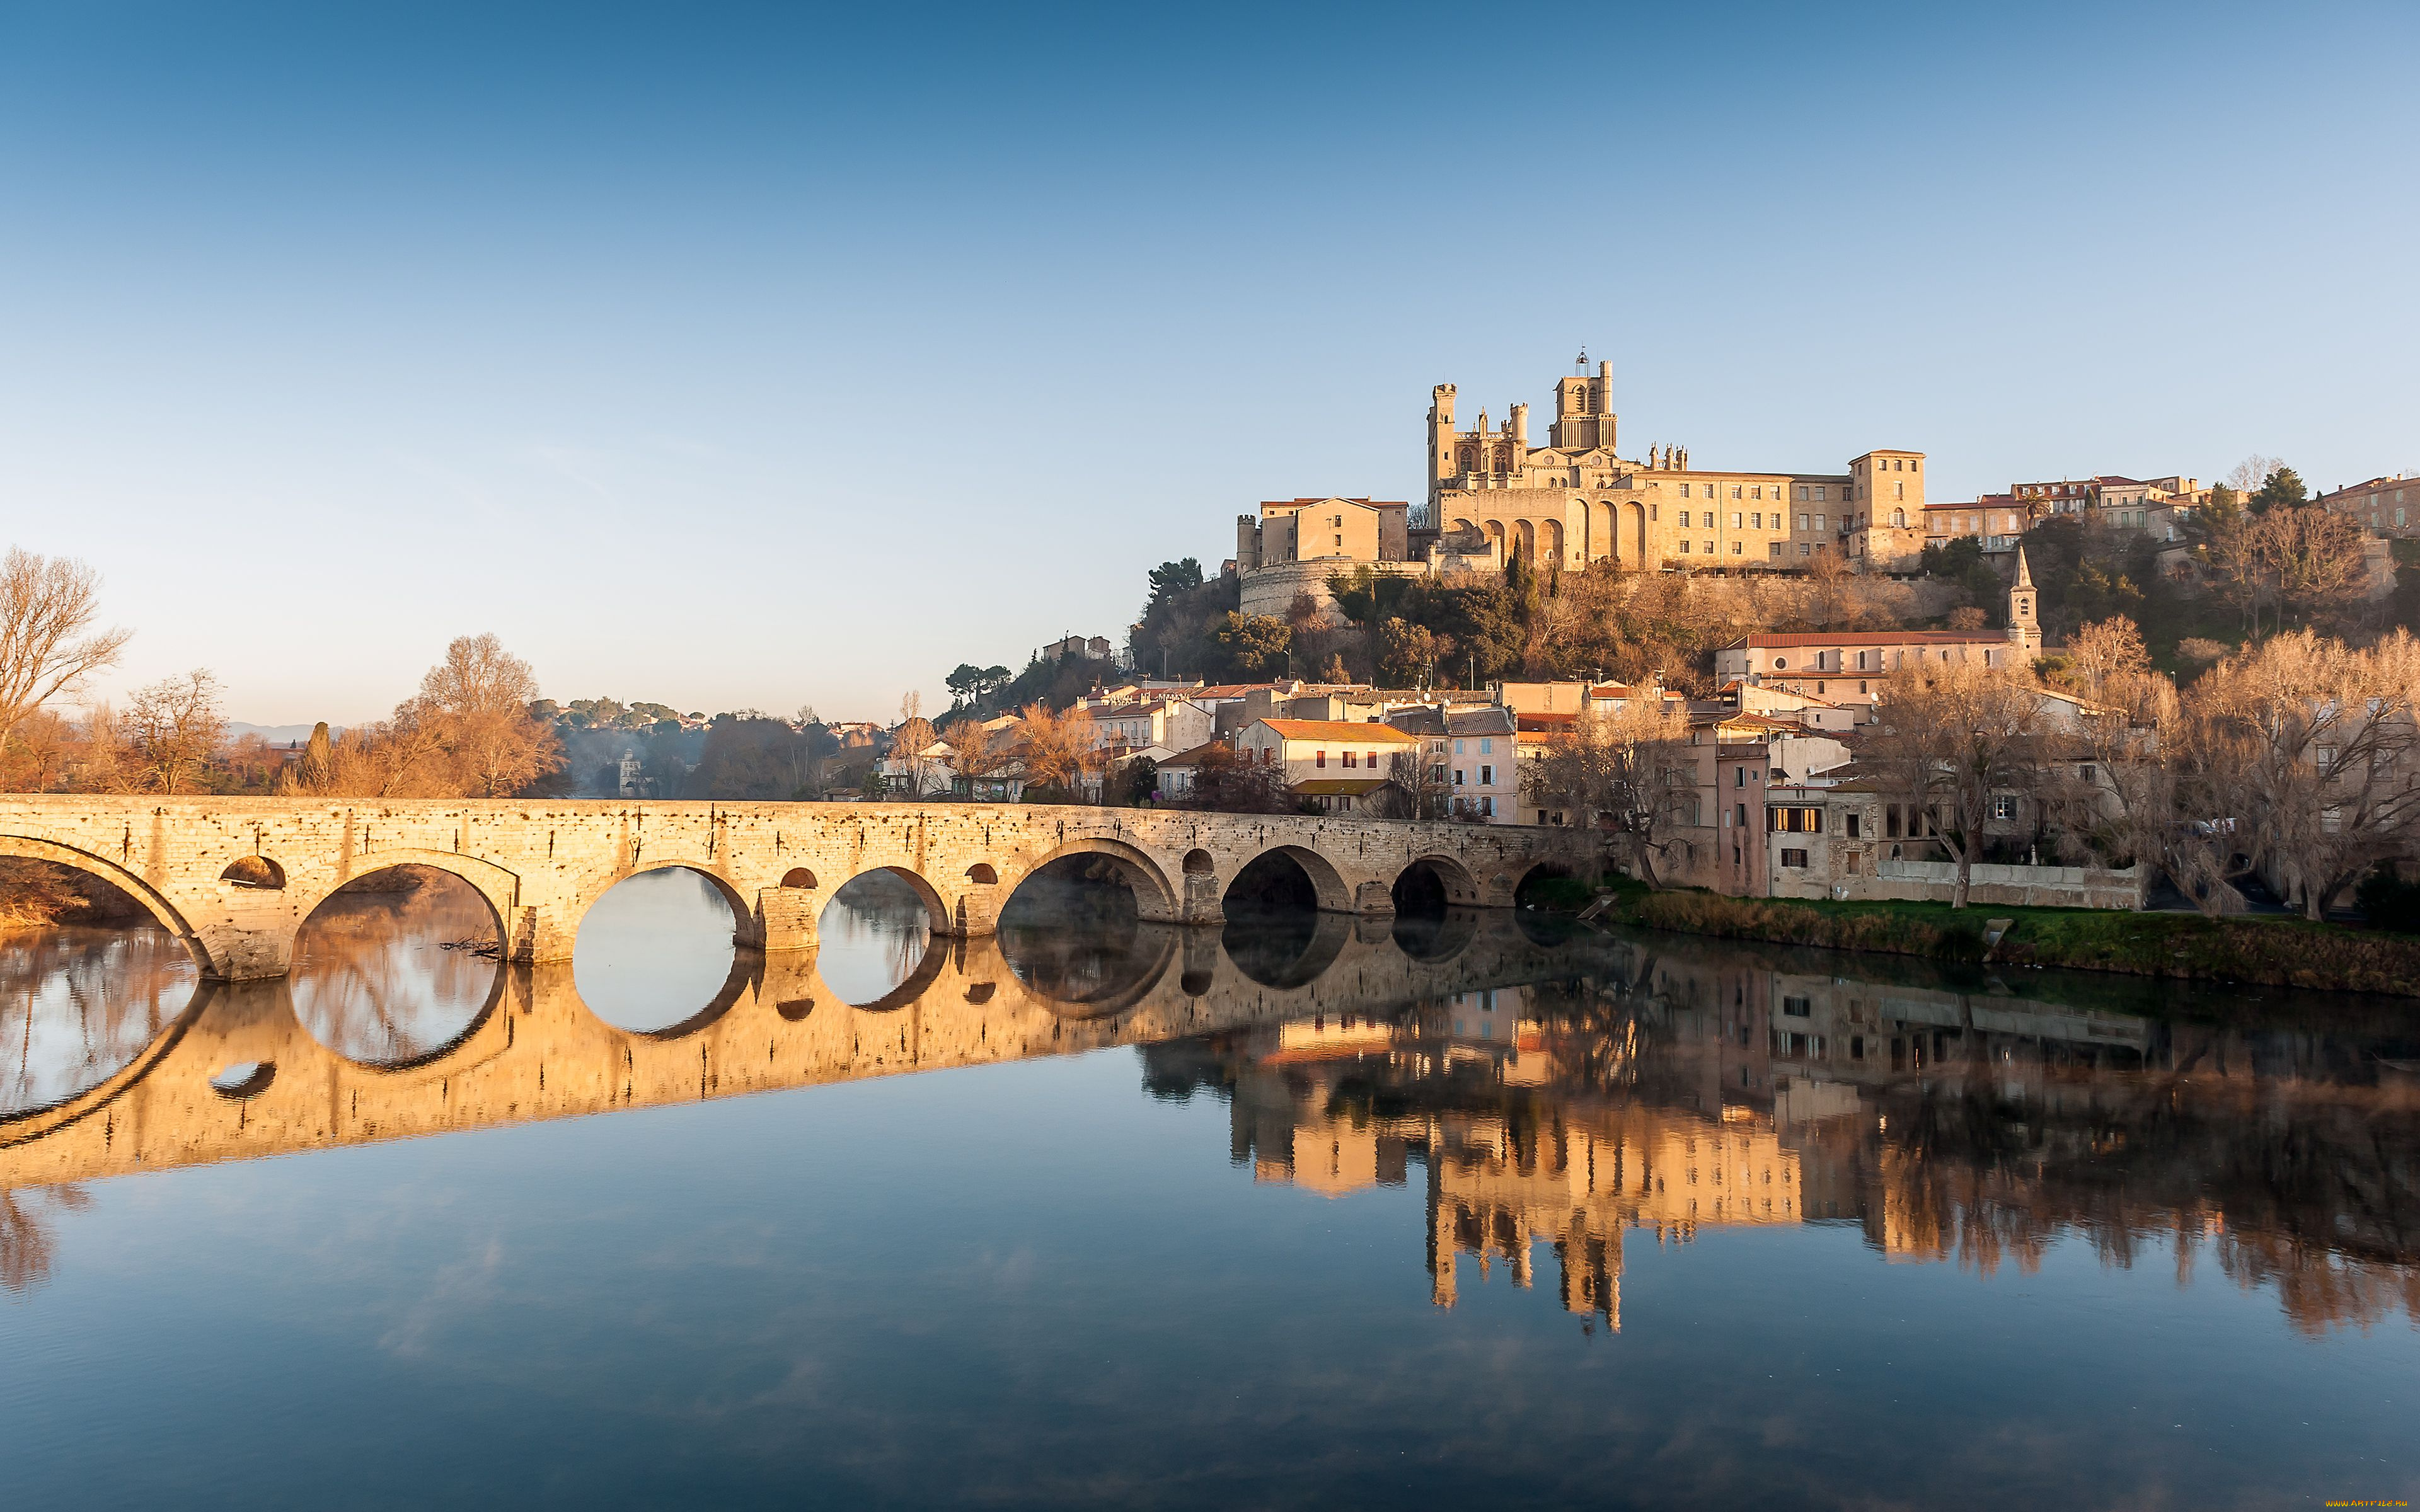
[(1317, 1212)]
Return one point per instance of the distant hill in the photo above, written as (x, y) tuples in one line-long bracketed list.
[(276, 735)]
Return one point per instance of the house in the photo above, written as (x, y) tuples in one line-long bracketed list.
[(1467, 760), (918, 774), (1177, 724), (1177, 774), (1314, 751)]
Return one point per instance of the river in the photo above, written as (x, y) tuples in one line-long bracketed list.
[(1471, 1210)]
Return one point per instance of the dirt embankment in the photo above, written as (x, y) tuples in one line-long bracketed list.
[(37, 895)]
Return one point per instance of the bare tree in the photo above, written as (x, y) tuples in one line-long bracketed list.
[(1626, 770), (1052, 743), (2248, 476), (169, 732), (2102, 650), (47, 644), (2306, 761), (1955, 738), (478, 699)]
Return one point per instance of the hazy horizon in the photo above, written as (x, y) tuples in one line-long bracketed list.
[(772, 358)]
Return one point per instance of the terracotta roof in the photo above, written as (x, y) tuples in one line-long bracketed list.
[(1345, 732), (1874, 637), (1194, 756), (1547, 723)]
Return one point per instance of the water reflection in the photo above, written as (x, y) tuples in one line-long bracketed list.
[(874, 937), (395, 968), (79, 1004), (1568, 1099), (655, 951), (1671, 1089)]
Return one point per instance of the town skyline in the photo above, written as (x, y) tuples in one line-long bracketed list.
[(693, 388)]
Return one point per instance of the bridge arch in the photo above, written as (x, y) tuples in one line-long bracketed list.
[(496, 887), (1327, 885), (32, 849), (1155, 899), (1451, 877)]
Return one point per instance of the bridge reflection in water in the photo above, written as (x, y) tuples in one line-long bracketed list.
[(1574, 1096)]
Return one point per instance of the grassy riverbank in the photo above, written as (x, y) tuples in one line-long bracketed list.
[(2272, 952)]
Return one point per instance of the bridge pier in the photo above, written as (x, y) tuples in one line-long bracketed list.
[(1374, 899), (785, 920), (232, 954), (977, 913), (544, 934)]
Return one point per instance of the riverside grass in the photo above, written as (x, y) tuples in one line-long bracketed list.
[(2269, 951)]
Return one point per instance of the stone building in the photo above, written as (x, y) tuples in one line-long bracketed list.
[(1844, 667), (2388, 506)]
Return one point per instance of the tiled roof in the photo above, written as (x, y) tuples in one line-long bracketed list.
[(1874, 637), (1194, 756), (1344, 730)]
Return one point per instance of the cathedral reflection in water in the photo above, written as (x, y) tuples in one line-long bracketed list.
[(1580, 1093)]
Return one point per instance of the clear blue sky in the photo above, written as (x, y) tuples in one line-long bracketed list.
[(732, 357)]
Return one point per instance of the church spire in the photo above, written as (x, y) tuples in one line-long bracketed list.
[(2024, 629)]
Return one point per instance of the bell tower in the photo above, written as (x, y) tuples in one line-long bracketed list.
[(2024, 630)]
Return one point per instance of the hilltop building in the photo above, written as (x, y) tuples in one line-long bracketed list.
[(1493, 495)]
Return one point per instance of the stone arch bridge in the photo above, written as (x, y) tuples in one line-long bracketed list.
[(234, 878)]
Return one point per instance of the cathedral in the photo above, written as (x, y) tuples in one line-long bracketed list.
[(1575, 500), (1493, 495)]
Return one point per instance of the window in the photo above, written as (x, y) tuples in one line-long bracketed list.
[(1796, 860), (1486, 747), (1319, 758), (1803, 518), (1797, 1007), (1756, 521), (1802, 493), (1819, 522), (1457, 777), (1487, 776), (1685, 519), (1684, 549), (1757, 492), (1743, 814), (1739, 776), (1487, 807), (1781, 664), (1736, 520), (2003, 807), (1899, 490), (1804, 548), (2332, 819), (1819, 493), (1349, 761), (1735, 548), (2085, 772), (1850, 863), (1457, 747), (1855, 824), (1772, 550), (1685, 490)]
